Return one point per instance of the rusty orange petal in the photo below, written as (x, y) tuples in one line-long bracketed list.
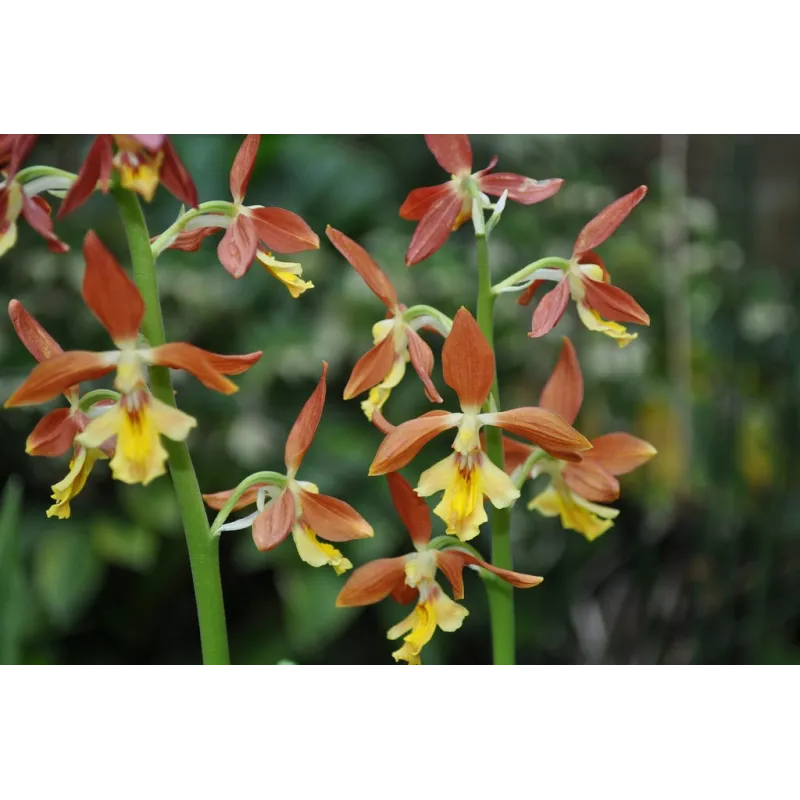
[(333, 519), (194, 360), (563, 392), (372, 582), (520, 580), (596, 231), (613, 303), (542, 427), (58, 373), (175, 177), (421, 357), (411, 508), (371, 368), (550, 310), (14, 149), (591, 481), (468, 361), (381, 423), (53, 434), (434, 228), (190, 241), (452, 151), (405, 594), (520, 189), (273, 524), (304, 428), (452, 565), (283, 230), (217, 500), (237, 248), (96, 168), (110, 293), (407, 439), (516, 453), (525, 297), (619, 453), (233, 365), (419, 201), (361, 261), (37, 214), (39, 343), (243, 165)]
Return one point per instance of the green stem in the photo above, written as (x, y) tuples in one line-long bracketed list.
[(509, 284), (500, 594), (203, 548), (264, 478)]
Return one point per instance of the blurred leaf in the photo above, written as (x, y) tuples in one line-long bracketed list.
[(124, 545), (11, 579), (153, 507), (66, 572), (312, 619)]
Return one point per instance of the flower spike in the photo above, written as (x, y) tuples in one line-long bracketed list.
[(440, 210), (297, 507), (468, 475), (413, 577)]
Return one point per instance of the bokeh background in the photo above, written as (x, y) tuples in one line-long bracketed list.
[(703, 564)]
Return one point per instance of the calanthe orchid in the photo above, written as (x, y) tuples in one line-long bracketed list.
[(576, 490), (444, 208), (297, 506), (142, 160), (137, 418), (396, 339), (251, 231), (56, 431), (16, 201), (468, 474), (413, 577), (601, 306)]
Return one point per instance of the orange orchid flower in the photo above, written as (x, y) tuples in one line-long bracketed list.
[(413, 577), (576, 490), (444, 208), (16, 201), (297, 506), (137, 418), (56, 431), (397, 342), (468, 474), (143, 160), (252, 231), (601, 306)]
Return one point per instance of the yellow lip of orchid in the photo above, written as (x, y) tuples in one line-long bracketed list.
[(576, 513), (289, 273), (64, 491)]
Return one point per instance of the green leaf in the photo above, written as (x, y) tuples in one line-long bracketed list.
[(66, 572), (124, 545), (12, 589)]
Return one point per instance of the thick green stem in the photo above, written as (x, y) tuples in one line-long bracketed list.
[(203, 548), (500, 594)]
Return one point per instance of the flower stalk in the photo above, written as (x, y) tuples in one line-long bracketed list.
[(500, 594), (203, 548)]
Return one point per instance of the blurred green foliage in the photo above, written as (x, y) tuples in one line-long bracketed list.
[(703, 562)]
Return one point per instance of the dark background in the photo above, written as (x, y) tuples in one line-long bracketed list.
[(703, 563)]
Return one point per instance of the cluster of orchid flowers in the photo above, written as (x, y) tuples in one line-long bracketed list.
[(125, 425)]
